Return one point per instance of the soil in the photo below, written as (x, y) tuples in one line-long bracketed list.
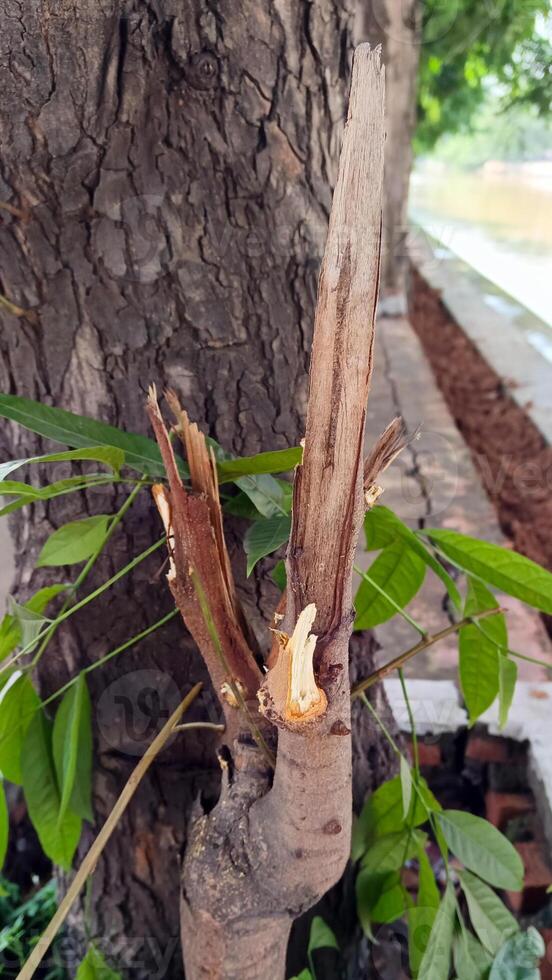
[(510, 453)]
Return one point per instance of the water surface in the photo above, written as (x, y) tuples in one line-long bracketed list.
[(499, 223)]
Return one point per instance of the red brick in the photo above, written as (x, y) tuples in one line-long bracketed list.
[(537, 878), (484, 748), (546, 963), (429, 753), (502, 807)]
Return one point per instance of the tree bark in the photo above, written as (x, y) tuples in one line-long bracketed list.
[(396, 25), (169, 167)]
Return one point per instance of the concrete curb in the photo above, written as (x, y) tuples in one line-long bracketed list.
[(502, 342)]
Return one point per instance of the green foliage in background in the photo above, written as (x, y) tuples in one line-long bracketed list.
[(22, 924), (519, 133), (471, 46)]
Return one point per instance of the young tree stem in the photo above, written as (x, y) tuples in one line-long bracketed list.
[(428, 641)]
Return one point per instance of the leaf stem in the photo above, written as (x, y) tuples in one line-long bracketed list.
[(415, 753), (379, 722), (513, 653), (97, 663), (212, 726), (399, 609), (84, 602), (397, 751), (83, 574), (112, 653), (403, 658)]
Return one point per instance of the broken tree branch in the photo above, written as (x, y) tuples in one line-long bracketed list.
[(197, 549), (328, 499)]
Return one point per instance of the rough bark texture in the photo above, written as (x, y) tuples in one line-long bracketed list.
[(172, 166), (396, 24)]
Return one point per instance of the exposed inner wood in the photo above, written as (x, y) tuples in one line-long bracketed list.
[(291, 685)]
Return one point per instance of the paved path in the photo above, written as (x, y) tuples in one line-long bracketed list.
[(434, 484)]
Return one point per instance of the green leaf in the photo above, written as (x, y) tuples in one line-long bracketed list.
[(24, 622), (241, 506), (507, 678), (109, 455), (400, 573), (74, 542), (58, 839), (279, 461), (321, 936), (421, 916), (17, 708), (28, 495), (79, 432), (406, 786), (382, 527), (72, 749), (270, 497), (471, 959), (279, 574), (264, 537), (11, 488), (382, 814), (482, 848), (94, 967), (490, 918), (500, 567), (390, 852), (435, 963), (42, 598), (479, 654), (4, 825), (519, 958), (10, 635), (304, 975), (29, 623), (380, 899)]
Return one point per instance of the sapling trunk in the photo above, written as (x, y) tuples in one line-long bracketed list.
[(276, 842)]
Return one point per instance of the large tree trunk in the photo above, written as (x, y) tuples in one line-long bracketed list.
[(169, 167), (396, 25)]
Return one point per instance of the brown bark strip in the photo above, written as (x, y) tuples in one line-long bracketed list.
[(385, 450), (328, 503), (196, 546)]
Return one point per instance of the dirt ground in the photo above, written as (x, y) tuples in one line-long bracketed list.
[(511, 455)]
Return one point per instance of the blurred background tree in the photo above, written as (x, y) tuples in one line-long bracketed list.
[(471, 47)]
